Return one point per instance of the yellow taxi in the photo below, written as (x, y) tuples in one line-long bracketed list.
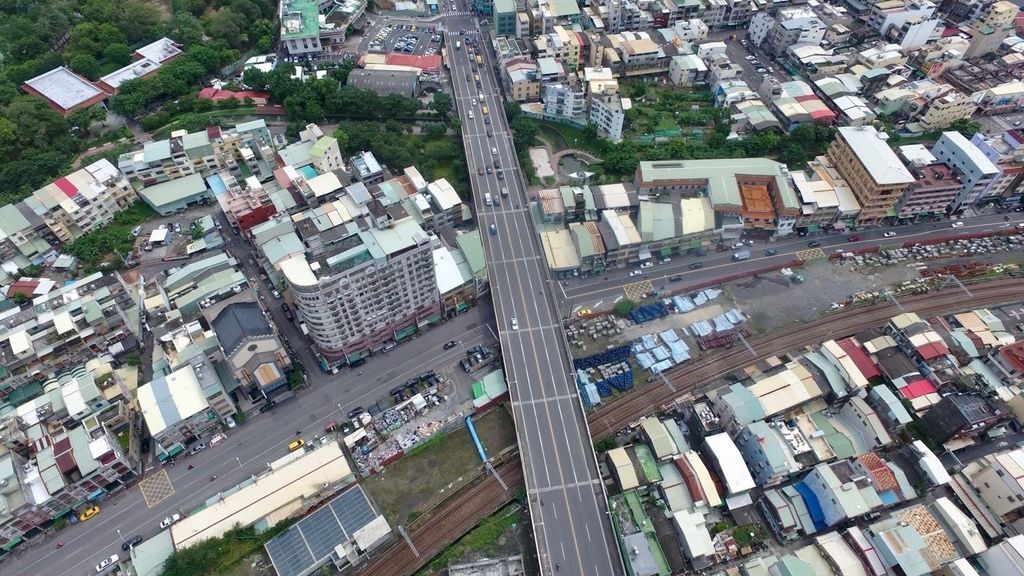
[(584, 312), (88, 513), (296, 445)]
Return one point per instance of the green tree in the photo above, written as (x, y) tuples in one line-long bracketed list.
[(133, 359), (118, 53), (441, 103), (965, 126), (621, 160), (623, 307), (86, 65), (434, 129), (342, 137)]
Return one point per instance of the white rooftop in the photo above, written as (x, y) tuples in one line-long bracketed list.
[(872, 147), (734, 470), (63, 87), (972, 152), (160, 51)]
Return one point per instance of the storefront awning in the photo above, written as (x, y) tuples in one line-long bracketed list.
[(12, 543), (173, 451), (97, 494), (461, 307), (666, 251), (434, 319), (891, 212), (644, 255), (696, 244), (405, 333), (355, 357), (813, 228)]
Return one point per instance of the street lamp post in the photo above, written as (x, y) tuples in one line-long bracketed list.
[(239, 464), (120, 536)]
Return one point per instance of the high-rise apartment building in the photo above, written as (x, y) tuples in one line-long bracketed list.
[(873, 171), (776, 33), (969, 164)]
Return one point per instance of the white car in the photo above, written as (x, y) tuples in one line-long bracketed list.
[(198, 448), (515, 324), (889, 234), (647, 264), (107, 563), (473, 101), (173, 518), (957, 224)]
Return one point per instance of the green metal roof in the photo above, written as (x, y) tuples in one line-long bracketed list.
[(745, 406), (720, 174), (174, 190), (321, 146), (840, 444), (657, 221), (561, 8), (473, 249), (301, 20)]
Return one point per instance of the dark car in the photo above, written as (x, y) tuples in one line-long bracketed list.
[(355, 412), (813, 244), (771, 252), (487, 120), (676, 278), (287, 311), (450, 344), (133, 541), (696, 266), (501, 175), (853, 238)]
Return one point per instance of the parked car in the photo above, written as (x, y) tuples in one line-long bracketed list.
[(853, 238), (136, 231), (106, 563), (173, 518), (287, 311), (296, 444), (355, 412), (771, 252), (131, 542), (675, 278), (218, 438), (198, 448), (88, 513), (958, 224), (647, 264), (889, 234)]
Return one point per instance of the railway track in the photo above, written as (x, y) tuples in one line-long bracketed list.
[(462, 512), (718, 364), (448, 522)]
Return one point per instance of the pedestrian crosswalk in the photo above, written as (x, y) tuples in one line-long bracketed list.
[(460, 13)]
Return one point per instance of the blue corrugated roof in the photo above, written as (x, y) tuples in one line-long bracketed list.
[(813, 506)]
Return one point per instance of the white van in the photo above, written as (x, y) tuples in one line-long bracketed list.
[(487, 199), (470, 114), (504, 192), (494, 151)]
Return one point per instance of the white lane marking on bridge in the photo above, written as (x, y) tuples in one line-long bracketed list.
[(557, 487)]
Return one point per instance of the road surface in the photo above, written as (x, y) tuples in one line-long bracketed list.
[(567, 501)]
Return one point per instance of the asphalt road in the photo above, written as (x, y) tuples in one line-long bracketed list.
[(567, 503), (250, 446), (600, 292)]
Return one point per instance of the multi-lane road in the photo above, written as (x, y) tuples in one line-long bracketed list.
[(567, 501), (600, 291), (249, 448)]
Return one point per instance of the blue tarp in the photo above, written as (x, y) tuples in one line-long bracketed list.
[(888, 497), (813, 507), (661, 353), (668, 336)]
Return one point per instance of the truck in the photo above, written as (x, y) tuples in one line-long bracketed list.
[(741, 255)]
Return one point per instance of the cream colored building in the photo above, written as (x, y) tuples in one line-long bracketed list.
[(83, 200), (874, 172)]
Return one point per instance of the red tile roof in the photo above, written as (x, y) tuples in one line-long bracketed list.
[(215, 94), (916, 389), (1013, 354), (881, 476), (932, 350), (24, 286), (422, 62), (864, 363)]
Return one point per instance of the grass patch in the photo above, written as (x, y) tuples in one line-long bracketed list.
[(439, 467), (107, 244), (573, 137), (484, 539), (219, 555), (124, 438)]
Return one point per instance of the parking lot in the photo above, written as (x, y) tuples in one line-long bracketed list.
[(755, 63), (407, 39)]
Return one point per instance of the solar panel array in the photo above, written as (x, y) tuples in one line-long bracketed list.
[(311, 540)]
